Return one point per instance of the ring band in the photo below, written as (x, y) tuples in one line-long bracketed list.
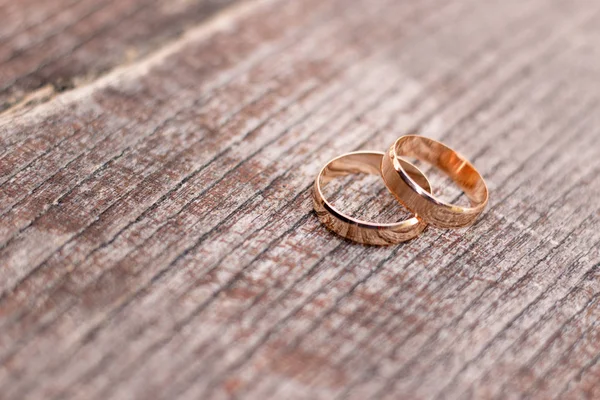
[(361, 231), (417, 198)]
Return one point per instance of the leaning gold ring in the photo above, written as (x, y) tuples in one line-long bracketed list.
[(366, 162), (418, 198)]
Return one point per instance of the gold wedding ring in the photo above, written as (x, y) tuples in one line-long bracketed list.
[(365, 162), (417, 197)]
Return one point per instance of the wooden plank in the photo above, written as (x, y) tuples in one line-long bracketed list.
[(52, 46), (157, 238)]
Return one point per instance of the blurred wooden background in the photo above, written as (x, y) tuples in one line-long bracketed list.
[(157, 238)]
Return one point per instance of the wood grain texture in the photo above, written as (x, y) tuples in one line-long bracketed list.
[(51, 46), (157, 238)]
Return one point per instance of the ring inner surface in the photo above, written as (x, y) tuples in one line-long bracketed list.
[(363, 163), (448, 161)]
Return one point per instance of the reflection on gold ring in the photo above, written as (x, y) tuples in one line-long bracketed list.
[(366, 162), (417, 198)]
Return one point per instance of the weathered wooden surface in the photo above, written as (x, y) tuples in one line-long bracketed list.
[(52, 46), (156, 232)]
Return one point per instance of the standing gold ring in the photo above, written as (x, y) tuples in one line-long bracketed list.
[(366, 162), (419, 199)]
